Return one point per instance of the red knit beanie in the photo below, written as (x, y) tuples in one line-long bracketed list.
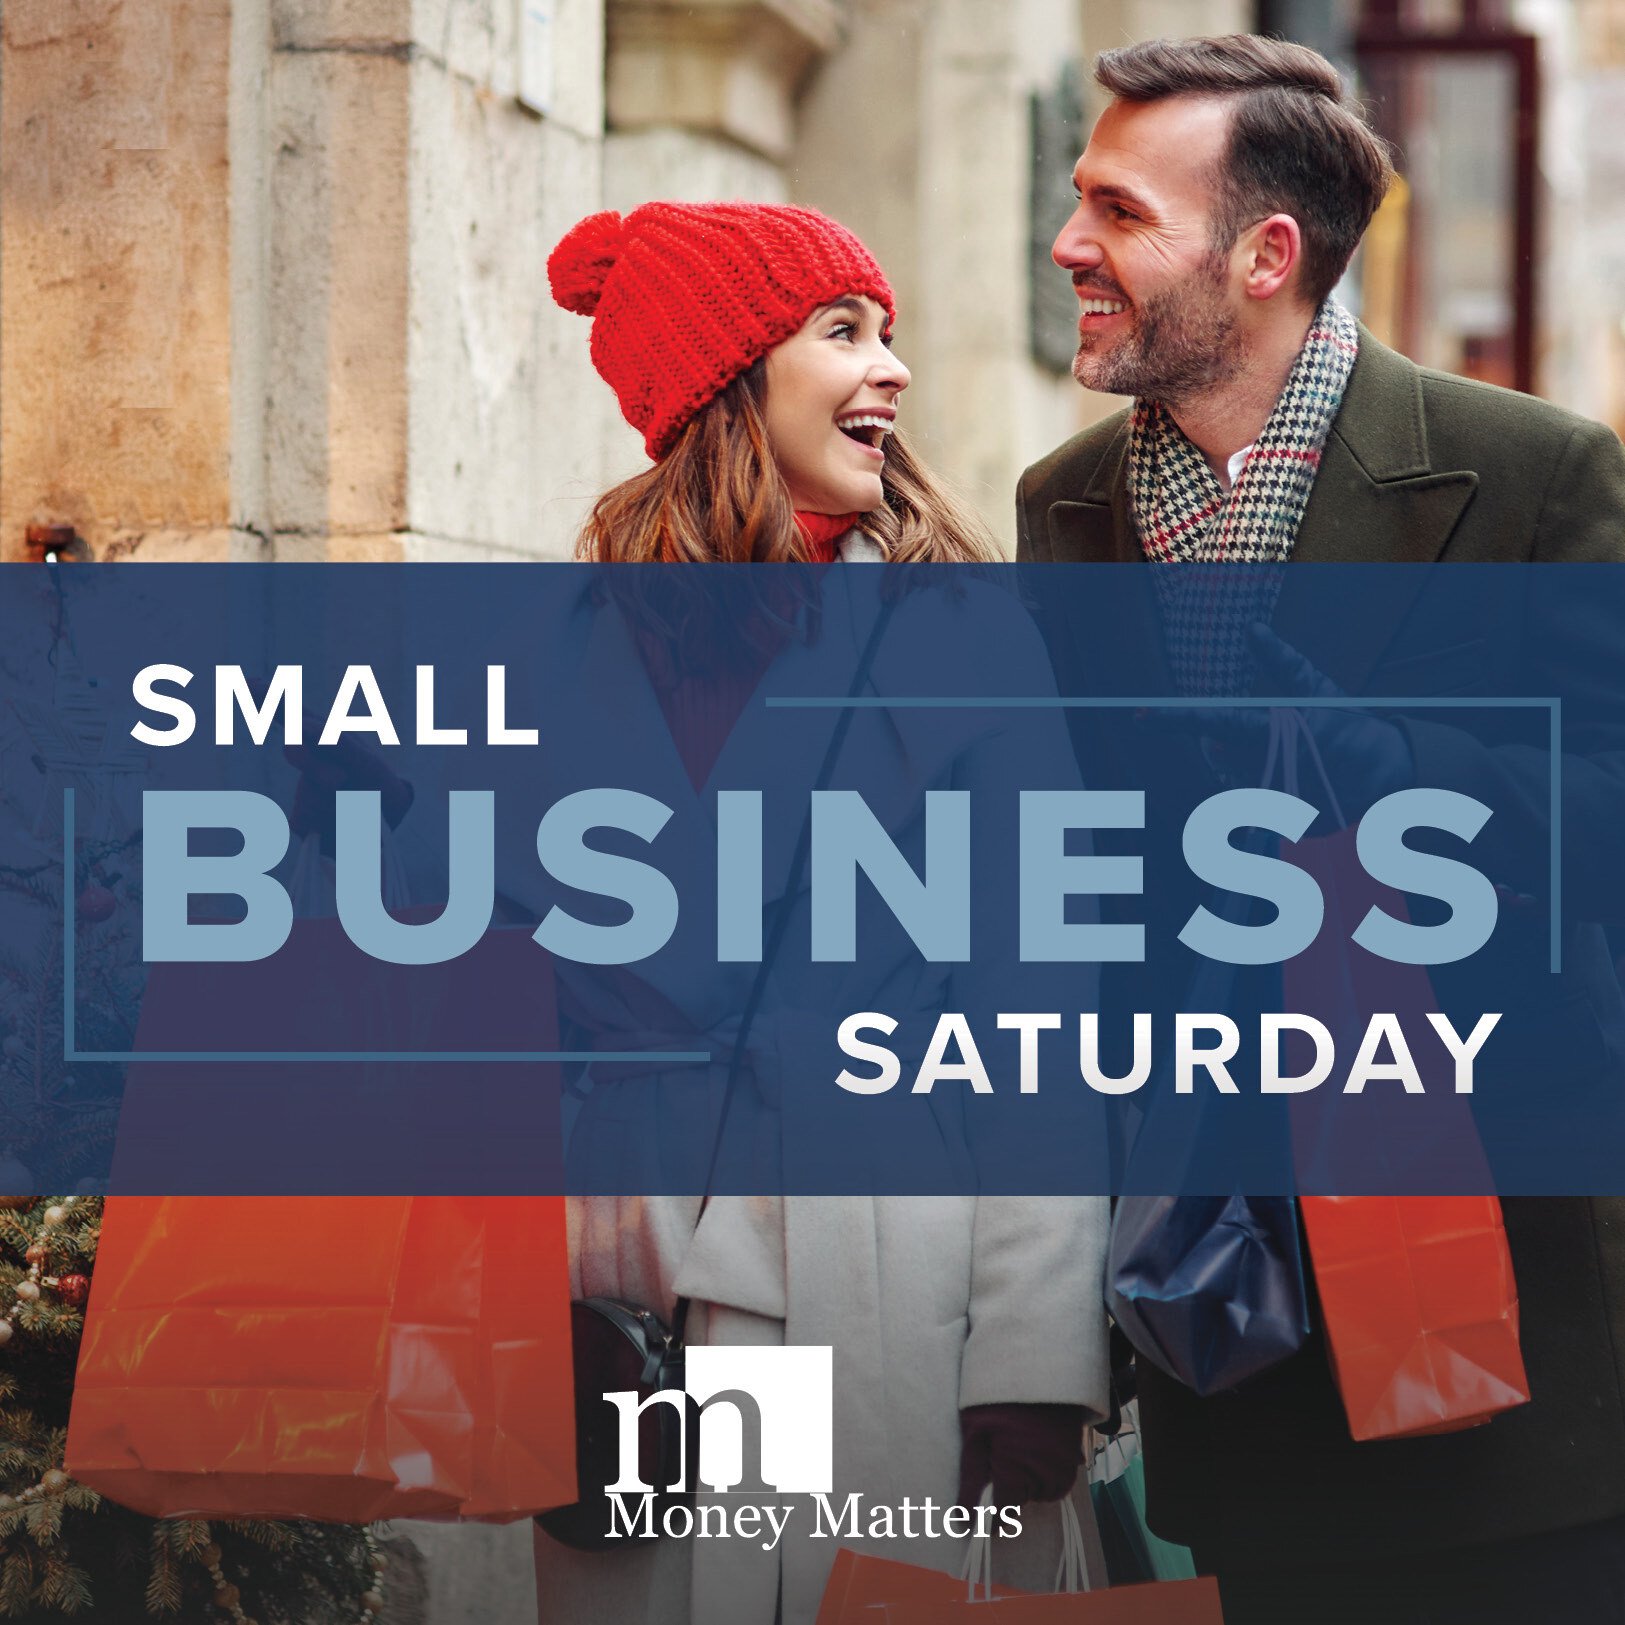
[(685, 296)]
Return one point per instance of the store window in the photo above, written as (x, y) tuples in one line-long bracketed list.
[(1448, 272)]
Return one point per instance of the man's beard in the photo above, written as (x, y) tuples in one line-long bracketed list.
[(1182, 342)]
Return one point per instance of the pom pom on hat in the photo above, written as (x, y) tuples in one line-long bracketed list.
[(685, 297), (578, 268)]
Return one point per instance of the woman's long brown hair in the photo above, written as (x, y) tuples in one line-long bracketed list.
[(717, 497)]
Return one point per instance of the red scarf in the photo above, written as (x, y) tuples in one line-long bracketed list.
[(701, 712), (821, 531)]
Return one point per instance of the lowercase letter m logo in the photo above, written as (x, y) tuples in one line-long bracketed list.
[(765, 1417)]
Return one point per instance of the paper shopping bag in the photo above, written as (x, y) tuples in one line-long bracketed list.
[(342, 1358), (1421, 1310), (1173, 1602), (1417, 1292), (872, 1589), (323, 1070), (1383, 1136), (860, 1587), (1134, 1553)]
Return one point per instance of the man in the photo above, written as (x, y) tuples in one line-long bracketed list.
[(1221, 196)]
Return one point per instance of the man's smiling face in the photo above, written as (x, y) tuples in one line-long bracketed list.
[(1158, 311)]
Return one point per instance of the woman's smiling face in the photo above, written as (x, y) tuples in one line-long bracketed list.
[(832, 393)]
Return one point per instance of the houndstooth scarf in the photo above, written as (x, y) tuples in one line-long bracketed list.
[(1184, 516)]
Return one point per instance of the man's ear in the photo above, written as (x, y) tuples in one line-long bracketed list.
[(1271, 253)]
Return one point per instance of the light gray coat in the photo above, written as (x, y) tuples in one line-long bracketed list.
[(930, 1303)]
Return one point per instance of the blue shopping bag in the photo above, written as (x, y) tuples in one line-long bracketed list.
[(1210, 1289)]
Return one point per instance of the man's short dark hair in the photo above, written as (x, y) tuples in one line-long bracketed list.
[(1298, 144)]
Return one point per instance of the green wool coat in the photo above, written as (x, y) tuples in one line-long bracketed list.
[(1419, 466)]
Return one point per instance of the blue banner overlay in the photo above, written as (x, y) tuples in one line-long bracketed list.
[(461, 879)]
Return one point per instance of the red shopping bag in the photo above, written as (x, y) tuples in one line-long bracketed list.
[(1416, 1292), (341, 1358), (871, 1589), (1165, 1602), (1159, 1603), (861, 1587), (1421, 1310), (253, 1352), (1341, 1141), (384, 1124)]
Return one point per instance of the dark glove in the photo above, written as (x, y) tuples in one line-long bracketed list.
[(1026, 1452), (1366, 757), (324, 770)]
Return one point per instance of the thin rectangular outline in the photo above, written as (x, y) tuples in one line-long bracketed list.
[(1551, 704), (1052, 702), (70, 1053)]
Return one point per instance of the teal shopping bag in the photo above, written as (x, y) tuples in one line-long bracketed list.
[(1133, 1552)]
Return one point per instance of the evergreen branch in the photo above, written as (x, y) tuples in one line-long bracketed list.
[(65, 1586), (44, 1520), (164, 1581), (16, 1582), (187, 1536), (274, 1537)]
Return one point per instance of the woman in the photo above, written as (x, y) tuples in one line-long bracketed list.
[(750, 345)]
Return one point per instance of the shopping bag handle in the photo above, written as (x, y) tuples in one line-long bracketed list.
[(1101, 1456), (1287, 729), (1071, 1573)]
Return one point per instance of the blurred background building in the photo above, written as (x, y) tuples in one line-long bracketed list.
[(272, 271)]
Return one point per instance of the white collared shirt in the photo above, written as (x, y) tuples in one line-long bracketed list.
[(1233, 468)]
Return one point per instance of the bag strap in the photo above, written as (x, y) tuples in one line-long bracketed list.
[(1071, 1572), (1288, 729), (781, 925)]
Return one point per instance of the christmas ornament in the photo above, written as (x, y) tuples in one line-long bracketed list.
[(95, 904), (228, 1597), (73, 1289)]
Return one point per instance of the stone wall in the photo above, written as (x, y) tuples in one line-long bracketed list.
[(114, 273), (503, 398), (423, 387), (273, 279)]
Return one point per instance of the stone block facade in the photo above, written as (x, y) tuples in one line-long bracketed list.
[(273, 280)]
